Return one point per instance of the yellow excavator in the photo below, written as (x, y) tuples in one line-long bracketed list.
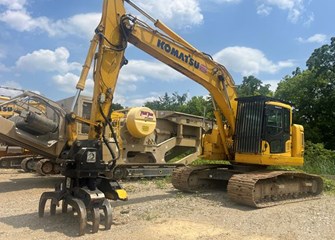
[(252, 133)]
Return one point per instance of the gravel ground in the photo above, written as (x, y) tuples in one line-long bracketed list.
[(156, 210)]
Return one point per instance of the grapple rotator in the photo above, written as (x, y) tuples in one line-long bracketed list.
[(85, 188)]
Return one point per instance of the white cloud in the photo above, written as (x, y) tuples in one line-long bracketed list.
[(67, 83), (2, 53), (57, 62), (273, 83), (140, 101), (67, 73), (3, 68), (223, 1), (131, 75), (309, 20), (11, 92), (48, 61), (140, 70), (82, 25), (316, 38), (13, 4), (17, 17), (181, 14), (264, 10), (137, 70), (175, 13), (295, 8), (20, 20), (249, 61)]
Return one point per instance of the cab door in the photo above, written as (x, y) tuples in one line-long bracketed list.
[(276, 127)]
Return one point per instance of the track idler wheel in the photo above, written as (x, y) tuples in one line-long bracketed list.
[(120, 172), (28, 164), (45, 167), (4, 163)]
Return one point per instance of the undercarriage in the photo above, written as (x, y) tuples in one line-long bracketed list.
[(250, 186)]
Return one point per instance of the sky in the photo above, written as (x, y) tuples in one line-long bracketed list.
[(43, 43)]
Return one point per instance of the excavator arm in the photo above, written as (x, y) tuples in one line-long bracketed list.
[(108, 61)]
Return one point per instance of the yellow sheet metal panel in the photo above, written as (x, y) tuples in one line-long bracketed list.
[(298, 140), (279, 104), (270, 160)]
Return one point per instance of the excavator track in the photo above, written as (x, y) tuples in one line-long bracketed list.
[(12, 161), (180, 179), (191, 179), (143, 170), (265, 189), (252, 188), (28, 164)]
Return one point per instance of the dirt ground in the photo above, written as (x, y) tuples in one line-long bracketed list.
[(155, 210)]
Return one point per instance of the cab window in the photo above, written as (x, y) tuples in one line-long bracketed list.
[(274, 120)]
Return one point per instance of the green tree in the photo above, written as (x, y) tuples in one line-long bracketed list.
[(252, 86), (300, 91), (117, 106), (322, 60), (167, 102), (200, 106), (312, 92), (319, 160), (197, 105)]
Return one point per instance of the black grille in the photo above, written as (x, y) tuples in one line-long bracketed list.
[(248, 134)]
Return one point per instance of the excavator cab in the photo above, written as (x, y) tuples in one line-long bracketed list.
[(264, 132)]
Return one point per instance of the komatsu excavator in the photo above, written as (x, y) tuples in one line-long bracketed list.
[(256, 132)]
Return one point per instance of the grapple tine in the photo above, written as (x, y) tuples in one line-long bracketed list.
[(64, 206), (95, 219), (108, 214), (53, 208), (41, 206), (43, 199), (80, 208)]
